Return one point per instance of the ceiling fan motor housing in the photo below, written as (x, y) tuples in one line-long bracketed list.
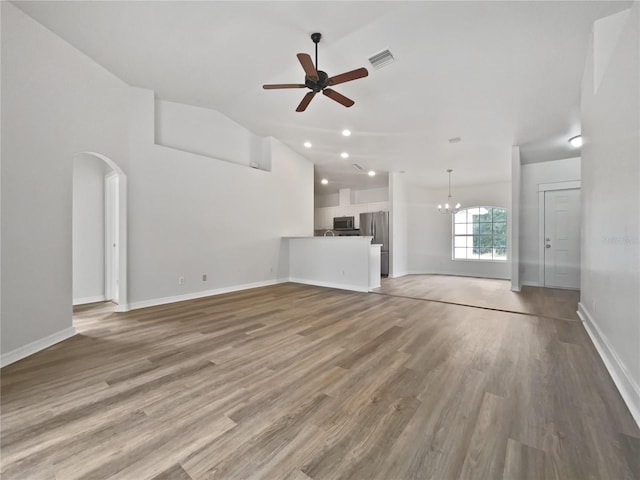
[(316, 86)]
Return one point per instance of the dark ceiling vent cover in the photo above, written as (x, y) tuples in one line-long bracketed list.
[(381, 59), (357, 167)]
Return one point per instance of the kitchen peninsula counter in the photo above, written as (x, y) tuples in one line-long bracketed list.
[(348, 263)]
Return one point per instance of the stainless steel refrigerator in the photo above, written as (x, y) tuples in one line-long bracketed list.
[(376, 224)]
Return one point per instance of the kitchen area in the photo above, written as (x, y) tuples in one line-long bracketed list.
[(371, 224), (350, 246), (355, 212)]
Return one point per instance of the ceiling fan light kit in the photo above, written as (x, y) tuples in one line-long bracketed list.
[(318, 81)]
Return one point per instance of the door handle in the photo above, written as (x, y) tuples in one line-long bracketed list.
[(547, 245)]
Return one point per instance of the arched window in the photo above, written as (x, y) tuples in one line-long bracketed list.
[(480, 233)]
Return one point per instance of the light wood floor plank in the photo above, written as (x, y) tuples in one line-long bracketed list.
[(523, 462), (488, 444), (307, 383)]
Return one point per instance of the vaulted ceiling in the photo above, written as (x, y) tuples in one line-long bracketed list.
[(494, 74)]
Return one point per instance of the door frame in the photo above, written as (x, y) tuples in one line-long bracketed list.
[(542, 188), (111, 187), (123, 298)]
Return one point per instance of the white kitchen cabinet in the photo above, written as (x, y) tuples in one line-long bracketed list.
[(327, 218), (323, 216)]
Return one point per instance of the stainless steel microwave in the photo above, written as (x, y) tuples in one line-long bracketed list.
[(343, 223)]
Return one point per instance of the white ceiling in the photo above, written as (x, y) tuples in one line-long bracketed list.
[(495, 74)]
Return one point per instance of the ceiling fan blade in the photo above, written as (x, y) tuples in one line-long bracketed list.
[(305, 102), (333, 95), (307, 65), (283, 85), (348, 76)]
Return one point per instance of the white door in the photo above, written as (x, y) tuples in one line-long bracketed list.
[(112, 252), (562, 238)]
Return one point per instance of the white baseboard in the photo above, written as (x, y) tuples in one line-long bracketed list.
[(341, 286), (457, 274), (100, 298), (627, 387), (192, 296), (33, 347), (398, 275), (85, 300)]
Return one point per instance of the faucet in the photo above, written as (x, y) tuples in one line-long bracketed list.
[(329, 231)]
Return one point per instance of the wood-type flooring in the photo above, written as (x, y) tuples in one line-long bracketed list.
[(299, 382), (485, 293)]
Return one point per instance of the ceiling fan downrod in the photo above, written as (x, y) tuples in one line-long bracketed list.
[(316, 39)]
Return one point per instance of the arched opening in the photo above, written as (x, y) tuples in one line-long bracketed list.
[(99, 231)]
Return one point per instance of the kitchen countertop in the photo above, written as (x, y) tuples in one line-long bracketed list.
[(344, 237)]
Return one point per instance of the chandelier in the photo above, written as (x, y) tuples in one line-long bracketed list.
[(448, 207)]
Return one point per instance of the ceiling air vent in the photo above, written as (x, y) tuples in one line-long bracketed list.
[(381, 59), (357, 167)]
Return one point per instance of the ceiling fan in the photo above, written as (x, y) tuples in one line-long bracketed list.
[(318, 81)]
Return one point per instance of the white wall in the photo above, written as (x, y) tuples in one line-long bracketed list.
[(88, 229), (56, 102), (610, 280), (370, 195), (399, 225), (327, 200), (207, 132), (532, 175), (430, 232), (192, 215), (514, 238), (188, 214), (336, 262)]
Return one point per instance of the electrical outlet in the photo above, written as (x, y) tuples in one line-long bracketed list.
[(180, 280), (204, 277)]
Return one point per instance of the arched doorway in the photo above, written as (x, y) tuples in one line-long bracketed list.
[(108, 229)]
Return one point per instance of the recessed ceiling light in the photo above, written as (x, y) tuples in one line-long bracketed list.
[(344, 155), (576, 141), (346, 132), (307, 144), (372, 173), (324, 181)]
